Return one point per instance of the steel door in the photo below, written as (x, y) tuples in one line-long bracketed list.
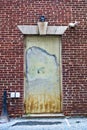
[(43, 74)]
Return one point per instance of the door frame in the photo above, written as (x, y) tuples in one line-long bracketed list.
[(61, 88)]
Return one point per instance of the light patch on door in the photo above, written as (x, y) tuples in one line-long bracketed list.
[(41, 69)]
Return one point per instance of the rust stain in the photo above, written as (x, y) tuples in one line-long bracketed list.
[(42, 104)]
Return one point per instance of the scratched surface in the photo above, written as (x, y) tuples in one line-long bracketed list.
[(42, 92)]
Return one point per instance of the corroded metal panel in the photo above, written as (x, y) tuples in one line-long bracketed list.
[(42, 89)]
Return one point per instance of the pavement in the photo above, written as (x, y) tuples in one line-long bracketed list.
[(66, 123)]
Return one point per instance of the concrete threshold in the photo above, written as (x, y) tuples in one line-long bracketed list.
[(60, 115)]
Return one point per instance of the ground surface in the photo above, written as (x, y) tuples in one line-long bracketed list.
[(46, 124)]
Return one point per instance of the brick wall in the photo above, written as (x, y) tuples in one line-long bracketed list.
[(74, 46), (74, 50)]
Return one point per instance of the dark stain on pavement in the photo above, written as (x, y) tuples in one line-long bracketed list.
[(36, 123)]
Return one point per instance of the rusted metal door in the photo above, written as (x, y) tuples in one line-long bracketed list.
[(43, 74)]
